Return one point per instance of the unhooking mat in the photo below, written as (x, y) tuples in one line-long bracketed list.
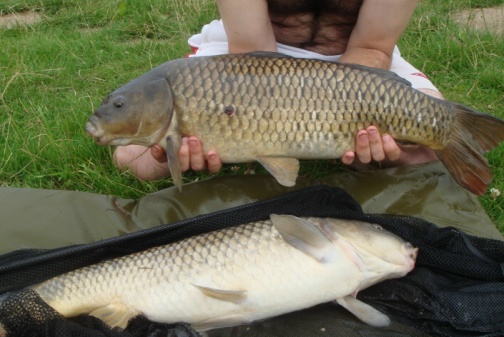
[(36, 218), (457, 288)]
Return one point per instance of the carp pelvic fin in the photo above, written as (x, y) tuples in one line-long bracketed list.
[(364, 312), (305, 236), (233, 296), (115, 315), (220, 322), (473, 135), (285, 170)]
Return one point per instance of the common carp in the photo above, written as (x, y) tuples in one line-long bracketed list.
[(276, 109), (239, 274)]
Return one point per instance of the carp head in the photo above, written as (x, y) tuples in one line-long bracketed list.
[(139, 113), (378, 253)]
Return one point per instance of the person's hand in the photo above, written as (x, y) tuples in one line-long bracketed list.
[(371, 146), (191, 156)]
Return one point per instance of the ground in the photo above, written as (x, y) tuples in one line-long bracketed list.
[(491, 19), (24, 18)]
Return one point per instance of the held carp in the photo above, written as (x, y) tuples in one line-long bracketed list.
[(238, 274), (276, 109)]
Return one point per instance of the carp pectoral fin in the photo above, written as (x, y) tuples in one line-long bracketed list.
[(172, 148), (220, 322), (285, 170), (305, 236), (115, 315), (233, 296), (364, 312)]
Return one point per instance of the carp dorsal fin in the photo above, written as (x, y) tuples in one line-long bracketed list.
[(267, 54), (305, 236), (364, 312), (114, 314), (387, 74), (285, 170), (233, 296), (384, 73)]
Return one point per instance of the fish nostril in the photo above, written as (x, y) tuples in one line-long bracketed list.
[(119, 102)]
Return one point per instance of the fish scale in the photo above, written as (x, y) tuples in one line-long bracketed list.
[(276, 109), (273, 113), (238, 274)]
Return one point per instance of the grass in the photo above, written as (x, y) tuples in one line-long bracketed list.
[(54, 73)]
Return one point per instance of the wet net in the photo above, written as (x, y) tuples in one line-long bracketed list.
[(456, 289)]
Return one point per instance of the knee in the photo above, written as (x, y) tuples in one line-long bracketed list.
[(121, 157)]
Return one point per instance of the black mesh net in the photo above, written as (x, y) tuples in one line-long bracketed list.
[(456, 289)]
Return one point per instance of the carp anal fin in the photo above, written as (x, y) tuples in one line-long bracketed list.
[(305, 236), (473, 134), (285, 170), (172, 148), (364, 312), (115, 315), (233, 296)]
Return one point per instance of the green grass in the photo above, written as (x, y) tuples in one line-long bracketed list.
[(54, 73)]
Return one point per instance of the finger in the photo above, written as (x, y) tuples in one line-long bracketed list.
[(213, 161), (196, 151), (158, 153), (348, 158), (390, 147), (375, 144), (183, 155), (362, 148)]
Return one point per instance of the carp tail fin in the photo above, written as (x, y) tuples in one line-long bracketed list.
[(473, 135)]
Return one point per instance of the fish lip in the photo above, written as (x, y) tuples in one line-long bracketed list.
[(94, 129)]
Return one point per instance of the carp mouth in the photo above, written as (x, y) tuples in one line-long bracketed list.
[(104, 135), (94, 129)]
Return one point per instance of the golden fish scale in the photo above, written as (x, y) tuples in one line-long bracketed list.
[(277, 102)]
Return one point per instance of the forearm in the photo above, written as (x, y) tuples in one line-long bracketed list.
[(378, 28), (247, 24)]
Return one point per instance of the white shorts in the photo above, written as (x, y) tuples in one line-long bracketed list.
[(213, 41)]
